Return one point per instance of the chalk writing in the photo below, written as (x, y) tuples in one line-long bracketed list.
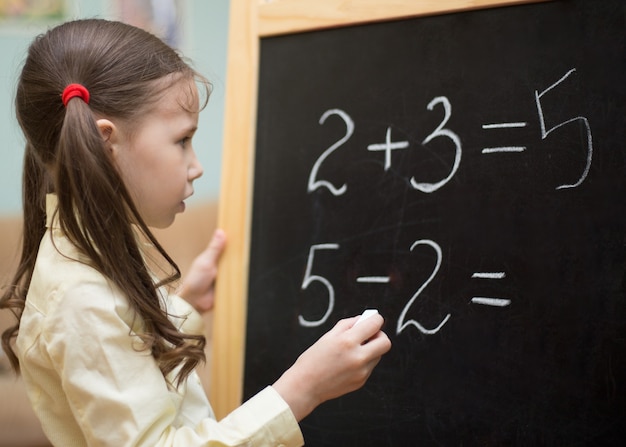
[(442, 131), (388, 146), (315, 184), (309, 278), (545, 133), (402, 324)]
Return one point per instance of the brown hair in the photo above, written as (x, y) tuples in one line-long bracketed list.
[(124, 68)]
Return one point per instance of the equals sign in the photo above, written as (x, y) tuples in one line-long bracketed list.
[(493, 150), (487, 301)]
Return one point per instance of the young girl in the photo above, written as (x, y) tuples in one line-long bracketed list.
[(108, 356)]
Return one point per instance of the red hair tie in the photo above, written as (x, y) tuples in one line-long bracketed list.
[(73, 90)]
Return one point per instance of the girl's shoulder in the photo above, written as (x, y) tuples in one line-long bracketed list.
[(63, 281), (69, 303)]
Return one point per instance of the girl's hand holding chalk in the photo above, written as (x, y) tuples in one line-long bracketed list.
[(339, 362), (365, 315)]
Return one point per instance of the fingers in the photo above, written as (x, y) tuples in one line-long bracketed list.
[(340, 362), (379, 344), (371, 337), (198, 286), (216, 245), (368, 327), (364, 326), (367, 334), (345, 324), (207, 261)]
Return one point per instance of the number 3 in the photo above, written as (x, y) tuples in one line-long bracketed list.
[(440, 131)]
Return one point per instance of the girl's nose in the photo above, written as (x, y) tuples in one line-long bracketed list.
[(195, 168)]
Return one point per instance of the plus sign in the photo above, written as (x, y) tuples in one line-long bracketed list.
[(388, 146)]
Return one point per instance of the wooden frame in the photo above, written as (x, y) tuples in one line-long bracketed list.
[(249, 21)]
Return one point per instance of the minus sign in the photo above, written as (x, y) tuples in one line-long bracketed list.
[(489, 275), (493, 150), (497, 302), (504, 125), (373, 279)]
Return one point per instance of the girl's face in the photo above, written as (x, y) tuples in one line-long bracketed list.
[(157, 162)]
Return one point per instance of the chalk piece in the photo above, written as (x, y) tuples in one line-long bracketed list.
[(365, 315)]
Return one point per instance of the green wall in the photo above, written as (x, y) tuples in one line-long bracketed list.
[(205, 24)]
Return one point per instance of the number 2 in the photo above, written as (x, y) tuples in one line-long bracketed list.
[(402, 325), (313, 182)]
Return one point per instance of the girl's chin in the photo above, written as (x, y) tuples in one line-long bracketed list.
[(164, 223)]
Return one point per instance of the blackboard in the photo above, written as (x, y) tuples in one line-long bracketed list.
[(464, 174)]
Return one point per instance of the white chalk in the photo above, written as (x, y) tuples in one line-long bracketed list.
[(365, 315)]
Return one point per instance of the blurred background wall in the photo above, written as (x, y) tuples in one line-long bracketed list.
[(198, 28), (202, 37)]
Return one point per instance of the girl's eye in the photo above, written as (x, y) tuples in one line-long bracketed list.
[(184, 141)]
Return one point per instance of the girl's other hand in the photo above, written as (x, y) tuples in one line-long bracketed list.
[(198, 287), (341, 361)]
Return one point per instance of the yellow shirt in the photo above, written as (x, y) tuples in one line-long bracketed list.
[(90, 385)]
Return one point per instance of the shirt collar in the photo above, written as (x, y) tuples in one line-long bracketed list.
[(52, 204)]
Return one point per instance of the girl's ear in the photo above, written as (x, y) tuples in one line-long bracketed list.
[(109, 133)]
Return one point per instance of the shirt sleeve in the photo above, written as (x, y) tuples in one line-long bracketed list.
[(183, 315), (118, 395)]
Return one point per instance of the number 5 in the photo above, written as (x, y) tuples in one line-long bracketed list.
[(545, 133), (308, 279)]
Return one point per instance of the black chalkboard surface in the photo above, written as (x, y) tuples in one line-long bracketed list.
[(464, 174)]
